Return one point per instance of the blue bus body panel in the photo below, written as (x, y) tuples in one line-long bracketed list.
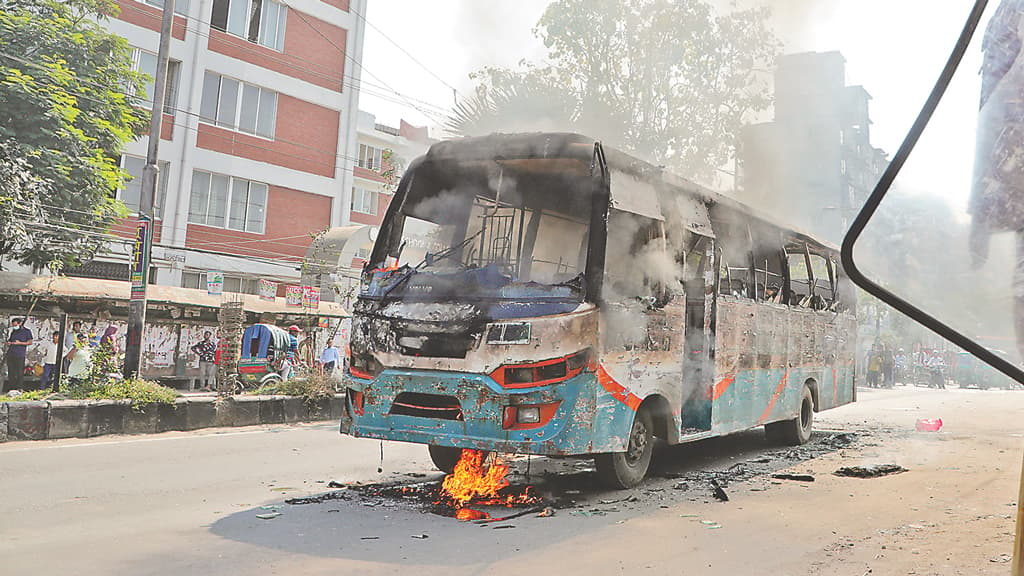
[(588, 419)]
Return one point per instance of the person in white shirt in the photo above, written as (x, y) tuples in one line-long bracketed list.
[(49, 360), (69, 342), (81, 359)]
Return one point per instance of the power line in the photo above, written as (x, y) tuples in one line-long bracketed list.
[(404, 51), (242, 43), (345, 54)]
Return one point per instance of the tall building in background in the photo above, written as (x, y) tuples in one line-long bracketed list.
[(259, 136), (814, 165), (335, 260)]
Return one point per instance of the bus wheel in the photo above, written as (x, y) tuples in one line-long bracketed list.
[(798, 430), (445, 457), (627, 469)]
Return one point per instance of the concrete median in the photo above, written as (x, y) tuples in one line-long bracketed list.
[(42, 420)]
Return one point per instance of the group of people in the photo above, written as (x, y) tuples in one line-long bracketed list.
[(76, 358), (885, 367)]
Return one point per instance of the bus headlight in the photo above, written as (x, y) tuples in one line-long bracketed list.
[(528, 415), (543, 373)]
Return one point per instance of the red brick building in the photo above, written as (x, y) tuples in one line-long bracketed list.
[(259, 139)]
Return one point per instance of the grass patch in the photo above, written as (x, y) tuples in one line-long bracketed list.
[(27, 396), (313, 389), (137, 390)]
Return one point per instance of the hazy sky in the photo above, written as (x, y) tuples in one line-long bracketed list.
[(895, 49)]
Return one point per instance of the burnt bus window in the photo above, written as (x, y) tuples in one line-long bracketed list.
[(734, 260), (824, 293), (799, 276), (810, 278), (769, 278), (638, 263)]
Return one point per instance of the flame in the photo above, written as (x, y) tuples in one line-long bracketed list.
[(470, 479), (466, 514)]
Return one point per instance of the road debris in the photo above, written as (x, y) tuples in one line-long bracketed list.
[(337, 495), (420, 536), (370, 538), (796, 477), (335, 484), (1001, 559), (546, 513), (876, 471), (718, 492), (504, 526), (928, 424), (268, 515)]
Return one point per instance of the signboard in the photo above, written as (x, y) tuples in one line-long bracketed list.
[(268, 290), (214, 283), (310, 297), (140, 258), (293, 296)]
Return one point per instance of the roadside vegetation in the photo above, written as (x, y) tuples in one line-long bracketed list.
[(311, 388)]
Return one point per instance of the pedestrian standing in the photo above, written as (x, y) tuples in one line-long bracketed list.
[(70, 340), (207, 352), (330, 358), (81, 359), (18, 342), (288, 366), (49, 360), (109, 339)]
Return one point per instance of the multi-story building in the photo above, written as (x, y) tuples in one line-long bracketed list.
[(258, 144), (383, 153), (815, 160)]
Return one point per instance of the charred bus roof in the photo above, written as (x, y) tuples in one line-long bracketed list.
[(571, 155)]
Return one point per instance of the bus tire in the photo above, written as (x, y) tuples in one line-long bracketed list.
[(798, 430), (445, 457), (627, 469)]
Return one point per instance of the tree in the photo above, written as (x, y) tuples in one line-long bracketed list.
[(671, 81), (66, 108)]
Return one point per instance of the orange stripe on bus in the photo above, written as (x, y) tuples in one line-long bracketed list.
[(617, 390), (775, 398), (722, 386)]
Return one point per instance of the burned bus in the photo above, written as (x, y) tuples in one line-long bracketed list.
[(538, 294)]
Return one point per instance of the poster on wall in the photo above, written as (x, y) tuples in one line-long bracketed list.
[(310, 297), (293, 296), (214, 283), (268, 290)]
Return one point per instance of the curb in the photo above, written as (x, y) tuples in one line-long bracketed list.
[(53, 419)]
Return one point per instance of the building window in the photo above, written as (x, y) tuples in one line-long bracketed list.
[(842, 166), (842, 137), (145, 62), (235, 284), (180, 6), (238, 106), (227, 202), (131, 193), (370, 157), (260, 21), (364, 201)]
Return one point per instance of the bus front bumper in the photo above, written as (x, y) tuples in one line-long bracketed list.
[(578, 417)]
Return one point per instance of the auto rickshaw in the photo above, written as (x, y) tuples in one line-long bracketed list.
[(264, 348)]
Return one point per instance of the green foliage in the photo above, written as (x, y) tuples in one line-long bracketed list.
[(140, 392), (27, 396), (65, 109), (313, 388), (673, 82)]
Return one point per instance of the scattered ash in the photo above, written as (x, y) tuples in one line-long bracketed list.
[(692, 472)]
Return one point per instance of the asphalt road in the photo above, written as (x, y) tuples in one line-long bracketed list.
[(187, 503)]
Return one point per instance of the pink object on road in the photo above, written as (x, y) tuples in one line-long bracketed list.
[(929, 424)]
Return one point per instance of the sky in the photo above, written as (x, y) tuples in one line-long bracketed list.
[(894, 49)]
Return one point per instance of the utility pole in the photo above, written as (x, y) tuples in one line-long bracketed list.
[(143, 246)]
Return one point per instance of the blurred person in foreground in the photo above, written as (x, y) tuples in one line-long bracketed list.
[(997, 193)]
